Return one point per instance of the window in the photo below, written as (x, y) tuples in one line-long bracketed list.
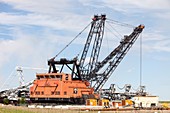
[(65, 93), (41, 77), (66, 77), (57, 93), (59, 77), (42, 93), (52, 92), (46, 76), (52, 76), (37, 93), (38, 77), (32, 92)]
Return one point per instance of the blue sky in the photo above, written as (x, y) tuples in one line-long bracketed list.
[(33, 31)]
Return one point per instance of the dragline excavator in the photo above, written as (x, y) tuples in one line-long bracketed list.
[(85, 79), (114, 58)]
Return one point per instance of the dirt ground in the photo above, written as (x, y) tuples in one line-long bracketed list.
[(19, 109)]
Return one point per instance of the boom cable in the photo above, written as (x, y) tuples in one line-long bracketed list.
[(72, 40), (135, 89), (120, 23), (112, 33), (141, 60), (115, 30), (110, 21), (107, 41), (7, 80), (121, 88)]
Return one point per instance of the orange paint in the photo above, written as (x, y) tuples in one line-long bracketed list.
[(59, 85)]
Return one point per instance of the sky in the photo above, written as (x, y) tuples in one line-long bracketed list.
[(33, 31)]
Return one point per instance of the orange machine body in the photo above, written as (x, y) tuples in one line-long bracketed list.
[(59, 87)]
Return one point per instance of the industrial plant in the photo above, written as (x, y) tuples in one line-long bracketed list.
[(81, 86)]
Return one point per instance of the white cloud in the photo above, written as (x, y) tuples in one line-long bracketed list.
[(153, 43), (135, 6), (41, 6), (67, 23), (130, 70), (70, 22), (150, 4), (163, 45), (164, 15), (23, 48)]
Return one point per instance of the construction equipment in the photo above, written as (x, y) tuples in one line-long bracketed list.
[(59, 87), (86, 79), (114, 58), (14, 94)]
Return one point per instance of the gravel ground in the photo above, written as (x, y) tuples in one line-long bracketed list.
[(19, 109)]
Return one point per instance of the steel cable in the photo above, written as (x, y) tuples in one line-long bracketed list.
[(72, 41)]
